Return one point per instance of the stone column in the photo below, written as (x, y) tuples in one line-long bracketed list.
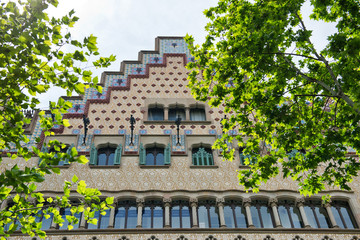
[(273, 204), (220, 204), (82, 221), (53, 224), (140, 206), (194, 204), (166, 113), (331, 215), (187, 114), (4, 204), (112, 216), (300, 204), (247, 204), (167, 204)]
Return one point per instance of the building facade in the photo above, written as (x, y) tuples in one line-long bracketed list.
[(166, 180)]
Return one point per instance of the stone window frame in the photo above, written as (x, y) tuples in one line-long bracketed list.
[(147, 141)]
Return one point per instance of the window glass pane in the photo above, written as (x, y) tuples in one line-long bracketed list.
[(310, 216), (66, 212), (255, 216), (240, 217), (197, 114), (132, 217), (337, 217), (296, 217), (156, 114), (229, 217), (160, 159), (150, 159), (347, 217), (120, 218), (322, 217), (158, 217), (146, 218), (203, 217), (174, 113), (111, 159), (92, 226), (175, 217), (104, 223), (185, 215), (102, 159), (46, 223), (214, 217), (284, 217), (266, 217)]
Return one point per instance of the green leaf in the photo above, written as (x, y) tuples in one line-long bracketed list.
[(82, 159), (74, 179)]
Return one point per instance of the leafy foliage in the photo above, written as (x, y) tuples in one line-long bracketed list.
[(33, 59), (285, 94)]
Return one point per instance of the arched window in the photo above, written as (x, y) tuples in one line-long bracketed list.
[(289, 214), (103, 220), (197, 114), (105, 156), (67, 212), (126, 215), (202, 156), (261, 214), (180, 214), (153, 214), (343, 215), (316, 214), (156, 114), (176, 112), (208, 216), (155, 155), (235, 215)]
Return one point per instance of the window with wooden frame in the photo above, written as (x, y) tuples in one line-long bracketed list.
[(153, 214), (261, 214), (197, 114), (289, 214), (180, 214), (106, 155), (316, 214), (208, 216), (156, 113), (125, 215), (202, 156), (155, 155), (235, 215), (343, 216)]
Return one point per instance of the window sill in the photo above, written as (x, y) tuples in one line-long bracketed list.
[(154, 166), (173, 122), (244, 166), (206, 167), (104, 166), (62, 166)]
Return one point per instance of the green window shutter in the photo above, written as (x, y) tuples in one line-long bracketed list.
[(44, 149), (167, 155), (93, 155), (66, 162), (117, 158), (142, 155), (202, 158)]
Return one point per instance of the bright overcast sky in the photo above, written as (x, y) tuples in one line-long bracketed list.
[(125, 27)]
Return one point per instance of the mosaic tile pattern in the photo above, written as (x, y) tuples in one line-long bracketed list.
[(135, 146), (86, 147), (175, 147)]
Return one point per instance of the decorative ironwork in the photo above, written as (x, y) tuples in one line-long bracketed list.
[(268, 238), (222, 125), (297, 237), (326, 238), (124, 238), (52, 115), (182, 237), (211, 237), (152, 238), (239, 237), (77, 107), (178, 122), (86, 122), (132, 122)]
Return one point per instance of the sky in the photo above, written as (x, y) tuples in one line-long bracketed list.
[(125, 27)]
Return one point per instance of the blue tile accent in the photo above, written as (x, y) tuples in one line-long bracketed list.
[(135, 146), (88, 141), (143, 132), (138, 70), (176, 148), (97, 131), (156, 59), (212, 132), (167, 131), (119, 82), (122, 131), (75, 131), (188, 132)]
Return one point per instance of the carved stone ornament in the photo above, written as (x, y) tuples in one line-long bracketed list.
[(220, 201), (193, 202), (300, 202), (273, 202), (140, 202), (247, 202)]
